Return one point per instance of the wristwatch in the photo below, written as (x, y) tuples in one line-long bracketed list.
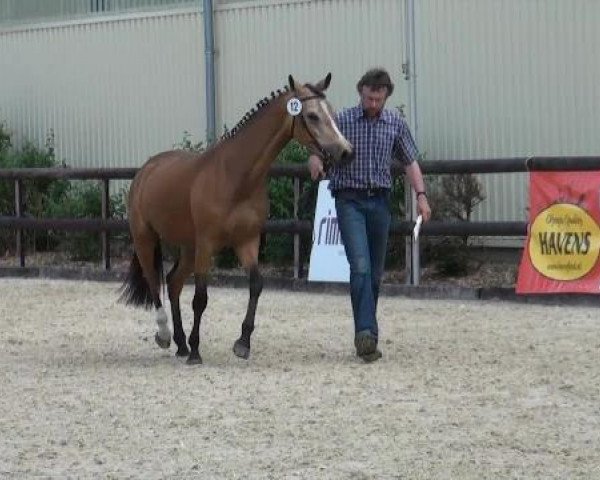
[(421, 193)]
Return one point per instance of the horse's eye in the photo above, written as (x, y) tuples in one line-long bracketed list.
[(313, 117)]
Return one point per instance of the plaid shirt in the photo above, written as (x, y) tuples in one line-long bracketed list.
[(375, 143)]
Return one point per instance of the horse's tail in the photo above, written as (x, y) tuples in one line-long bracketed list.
[(135, 290)]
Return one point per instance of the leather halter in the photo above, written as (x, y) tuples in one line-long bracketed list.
[(302, 100)]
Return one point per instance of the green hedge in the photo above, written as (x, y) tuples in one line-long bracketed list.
[(452, 197), (51, 198)]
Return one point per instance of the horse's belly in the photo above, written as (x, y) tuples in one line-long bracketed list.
[(176, 231)]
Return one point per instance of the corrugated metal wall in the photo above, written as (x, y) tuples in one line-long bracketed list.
[(508, 78), (27, 10), (114, 92), (19, 11), (495, 77), (117, 90), (258, 46)]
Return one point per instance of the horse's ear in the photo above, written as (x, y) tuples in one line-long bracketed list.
[(292, 83), (323, 84)]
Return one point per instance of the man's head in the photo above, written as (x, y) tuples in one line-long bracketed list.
[(374, 88)]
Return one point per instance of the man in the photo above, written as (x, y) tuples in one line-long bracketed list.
[(361, 190)]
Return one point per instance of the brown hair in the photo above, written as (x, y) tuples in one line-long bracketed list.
[(376, 78)]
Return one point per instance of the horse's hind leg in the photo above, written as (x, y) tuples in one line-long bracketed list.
[(149, 255), (248, 255), (175, 281)]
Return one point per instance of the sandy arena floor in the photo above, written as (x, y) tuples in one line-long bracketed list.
[(465, 390)]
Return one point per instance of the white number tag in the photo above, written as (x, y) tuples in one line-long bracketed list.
[(294, 106)]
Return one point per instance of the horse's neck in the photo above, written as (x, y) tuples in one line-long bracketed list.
[(256, 146)]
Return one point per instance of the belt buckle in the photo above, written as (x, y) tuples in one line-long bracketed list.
[(371, 192)]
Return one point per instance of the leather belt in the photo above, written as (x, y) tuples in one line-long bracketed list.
[(362, 192)]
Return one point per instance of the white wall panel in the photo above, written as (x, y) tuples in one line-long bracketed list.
[(114, 92), (508, 78), (118, 89), (495, 78), (260, 43), (28, 11)]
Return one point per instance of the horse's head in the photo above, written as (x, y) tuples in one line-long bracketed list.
[(313, 124)]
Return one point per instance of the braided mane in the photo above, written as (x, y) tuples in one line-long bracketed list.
[(251, 113)]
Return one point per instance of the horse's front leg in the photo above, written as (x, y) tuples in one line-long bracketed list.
[(242, 345), (199, 305)]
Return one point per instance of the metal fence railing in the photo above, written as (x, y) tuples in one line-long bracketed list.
[(294, 226)]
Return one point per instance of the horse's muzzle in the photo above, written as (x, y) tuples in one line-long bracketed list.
[(334, 154), (346, 157)]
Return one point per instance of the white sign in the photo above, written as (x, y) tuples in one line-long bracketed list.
[(328, 261)]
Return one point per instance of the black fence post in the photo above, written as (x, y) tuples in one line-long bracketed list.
[(19, 214), (296, 234), (105, 215)]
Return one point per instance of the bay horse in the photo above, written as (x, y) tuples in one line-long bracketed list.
[(202, 203)]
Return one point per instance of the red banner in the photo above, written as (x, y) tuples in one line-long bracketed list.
[(563, 239)]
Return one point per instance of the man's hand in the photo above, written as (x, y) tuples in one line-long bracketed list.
[(423, 207), (315, 166)]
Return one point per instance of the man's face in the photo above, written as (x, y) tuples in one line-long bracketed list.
[(372, 100)]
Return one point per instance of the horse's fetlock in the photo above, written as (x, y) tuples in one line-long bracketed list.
[(247, 330), (194, 341), (161, 316)]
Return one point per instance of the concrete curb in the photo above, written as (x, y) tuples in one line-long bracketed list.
[(429, 292)]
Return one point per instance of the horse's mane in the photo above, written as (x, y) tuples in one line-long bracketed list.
[(251, 113)]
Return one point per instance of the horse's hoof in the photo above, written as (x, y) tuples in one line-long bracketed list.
[(161, 342), (194, 359), (182, 351), (240, 350)]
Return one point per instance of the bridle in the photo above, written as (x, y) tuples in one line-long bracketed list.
[(326, 156)]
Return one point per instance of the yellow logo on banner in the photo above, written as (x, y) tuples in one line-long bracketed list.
[(564, 242)]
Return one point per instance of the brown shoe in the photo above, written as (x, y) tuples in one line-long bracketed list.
[(365, 343), (372, 357)]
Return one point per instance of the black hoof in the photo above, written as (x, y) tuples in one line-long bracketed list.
[(241, 350), (194, 359), (182, 351), (161, 342)]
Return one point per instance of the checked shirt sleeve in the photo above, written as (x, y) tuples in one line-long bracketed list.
[(405, 149)]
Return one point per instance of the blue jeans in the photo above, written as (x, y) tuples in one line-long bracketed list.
[(364, 223)]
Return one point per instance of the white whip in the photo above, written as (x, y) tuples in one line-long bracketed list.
[(417, 227)]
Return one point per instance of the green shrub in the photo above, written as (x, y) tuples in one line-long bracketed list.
[(51, 198), (278, 248), (452, 198), (37, 193), (5, 142), (187, 144), (83, 199)]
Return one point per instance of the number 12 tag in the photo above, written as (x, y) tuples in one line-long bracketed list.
[(294, 106)]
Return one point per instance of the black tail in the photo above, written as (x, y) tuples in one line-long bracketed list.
[(135, 290)]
